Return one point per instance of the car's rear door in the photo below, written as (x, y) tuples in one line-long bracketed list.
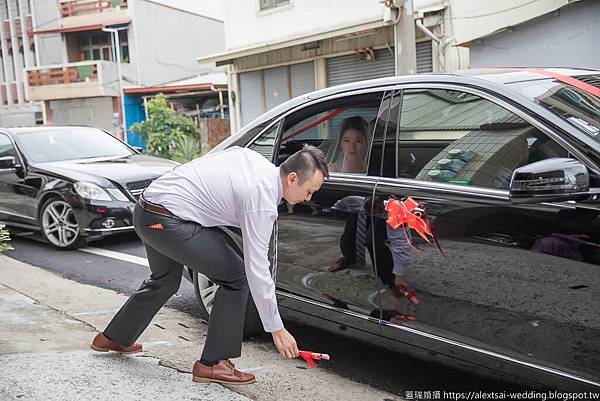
[(518, 289), (314, 235)]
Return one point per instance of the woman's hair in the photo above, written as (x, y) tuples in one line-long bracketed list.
[(357, 123)]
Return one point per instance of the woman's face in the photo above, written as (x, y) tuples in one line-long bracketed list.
[(353, 144)]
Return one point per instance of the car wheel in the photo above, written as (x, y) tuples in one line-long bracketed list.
[(206, 291), (59, 225)]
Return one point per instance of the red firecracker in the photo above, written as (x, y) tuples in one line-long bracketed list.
[(311, 357)]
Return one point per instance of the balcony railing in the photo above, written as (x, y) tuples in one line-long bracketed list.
[(81, 79), (77, 7), (63, 75)]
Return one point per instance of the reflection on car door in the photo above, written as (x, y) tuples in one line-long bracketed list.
[(318, 241), (521, 281)]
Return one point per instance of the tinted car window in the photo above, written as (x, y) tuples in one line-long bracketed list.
[(265, 143), (6, 147), (580, 108), (341, 128), (460, 138)]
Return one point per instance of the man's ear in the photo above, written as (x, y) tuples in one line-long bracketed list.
[(292, 177)]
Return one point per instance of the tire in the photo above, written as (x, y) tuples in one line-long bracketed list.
[(205, 291), (58, 224)]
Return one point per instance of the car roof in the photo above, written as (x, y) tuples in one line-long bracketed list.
[(510, 75)]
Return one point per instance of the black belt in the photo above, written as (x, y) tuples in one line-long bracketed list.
[(154, 208)]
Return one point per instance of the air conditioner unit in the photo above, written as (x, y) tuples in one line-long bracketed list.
[(390, 14)]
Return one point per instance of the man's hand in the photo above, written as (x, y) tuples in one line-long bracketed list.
[(285, 343)]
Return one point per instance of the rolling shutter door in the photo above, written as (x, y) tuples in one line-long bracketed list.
[(276, 86), (251, 102), (303, 78), (424, 58), (345, 69)]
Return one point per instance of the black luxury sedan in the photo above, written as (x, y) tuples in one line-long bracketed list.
[(506, 163), (71, 183)]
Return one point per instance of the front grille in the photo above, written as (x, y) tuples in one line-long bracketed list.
[(137, 187)]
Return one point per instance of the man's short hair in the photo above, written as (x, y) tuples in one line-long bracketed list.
[(305, 163)]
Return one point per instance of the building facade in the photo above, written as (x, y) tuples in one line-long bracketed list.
[(72, 73), (279, 49), (18, 50), (566, 36)]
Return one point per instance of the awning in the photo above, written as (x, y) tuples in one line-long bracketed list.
[(82, 28), (170, 89)]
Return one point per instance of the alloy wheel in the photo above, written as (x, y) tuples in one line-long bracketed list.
[(59, 224)]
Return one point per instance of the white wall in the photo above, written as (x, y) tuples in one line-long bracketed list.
[(475, 19), (569, 39), (246, 25), (208, 8), (51, 47), (94, 111), (168, 41)]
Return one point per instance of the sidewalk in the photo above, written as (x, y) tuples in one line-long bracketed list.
[(47, 323)]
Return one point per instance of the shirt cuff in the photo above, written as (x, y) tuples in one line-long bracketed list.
[(274, 325)]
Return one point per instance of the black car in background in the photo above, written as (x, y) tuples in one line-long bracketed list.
[(507, 164), (71, 183)]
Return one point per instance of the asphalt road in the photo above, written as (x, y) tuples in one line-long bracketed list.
[(373, 366)]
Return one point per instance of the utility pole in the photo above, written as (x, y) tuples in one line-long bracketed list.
[(115, 33), (404, 36)]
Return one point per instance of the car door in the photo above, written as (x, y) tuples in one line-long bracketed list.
[(518, 287), (313, 236), (13, 199)]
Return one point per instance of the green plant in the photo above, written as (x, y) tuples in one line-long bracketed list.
[(163, 131), (4, 246), (186, 150)]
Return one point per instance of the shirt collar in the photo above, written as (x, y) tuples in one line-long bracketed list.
[(279, 184)]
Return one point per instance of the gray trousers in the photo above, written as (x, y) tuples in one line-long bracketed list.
[(181, 243)]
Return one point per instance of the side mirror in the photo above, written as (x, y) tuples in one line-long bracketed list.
[(8, 163), (550, 180)]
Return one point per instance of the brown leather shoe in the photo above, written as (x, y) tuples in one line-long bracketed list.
[(103, 344), (223, 372)]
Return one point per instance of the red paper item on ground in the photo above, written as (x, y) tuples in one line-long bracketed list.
[(311, 357)]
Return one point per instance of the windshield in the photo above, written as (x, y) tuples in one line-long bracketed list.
[(69, 143), (580, 108)]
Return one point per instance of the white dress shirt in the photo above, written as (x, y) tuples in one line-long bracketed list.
[(235, 187)]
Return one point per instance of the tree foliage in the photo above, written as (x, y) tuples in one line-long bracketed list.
[(4, 238), (164, 132)]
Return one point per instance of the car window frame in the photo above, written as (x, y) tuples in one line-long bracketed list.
[(17, 151), (574, 152), (281, 120)]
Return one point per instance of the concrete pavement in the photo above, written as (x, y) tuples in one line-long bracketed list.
[(47, 322)]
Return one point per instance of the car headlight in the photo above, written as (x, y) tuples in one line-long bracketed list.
[(87, 190), (117, 194)]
